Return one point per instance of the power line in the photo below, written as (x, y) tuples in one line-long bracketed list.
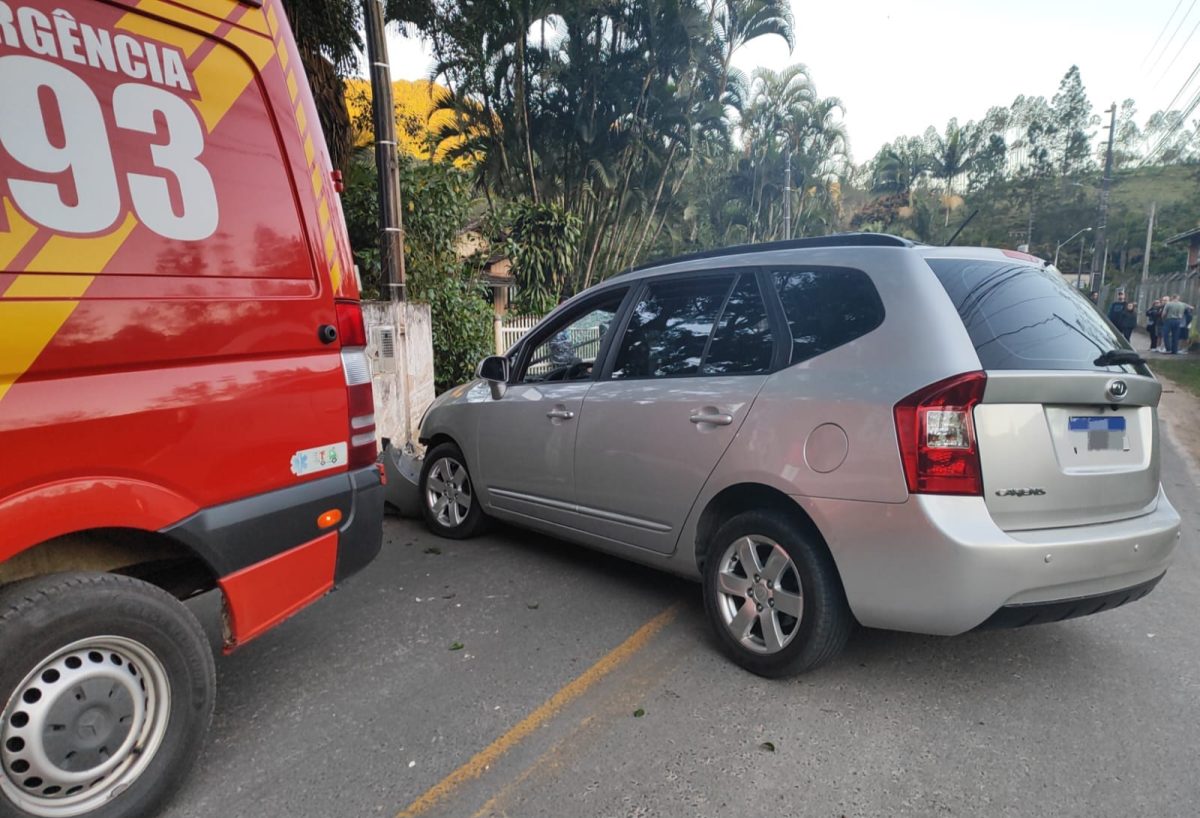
[(1166, 25), (1182, 88), (1182, 120), (1182, 48), (1163, 140), (1174, 33)]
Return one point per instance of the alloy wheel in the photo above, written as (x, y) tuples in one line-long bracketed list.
[(759, 594), (448, 492)]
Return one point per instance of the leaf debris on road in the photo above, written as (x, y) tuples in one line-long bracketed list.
[(456, 646)]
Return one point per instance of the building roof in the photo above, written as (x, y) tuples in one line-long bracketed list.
[(1187, 234)]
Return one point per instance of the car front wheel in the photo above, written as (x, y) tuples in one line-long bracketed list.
[(773, 595), (448, 498)]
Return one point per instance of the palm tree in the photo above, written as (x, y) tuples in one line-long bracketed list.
[(788, 121), (900, 166), (952, 155), (737, 22)]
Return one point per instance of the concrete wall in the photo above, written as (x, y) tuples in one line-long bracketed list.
[(403, 383)]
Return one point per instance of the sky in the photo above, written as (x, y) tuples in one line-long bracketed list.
[(901, 65)]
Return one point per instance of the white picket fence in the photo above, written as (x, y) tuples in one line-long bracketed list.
[(581, 343), (511, 329)]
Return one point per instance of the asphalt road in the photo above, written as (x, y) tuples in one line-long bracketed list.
[(360, 707)]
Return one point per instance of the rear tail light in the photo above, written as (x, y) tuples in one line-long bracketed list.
[(936, 430), (360, 398)]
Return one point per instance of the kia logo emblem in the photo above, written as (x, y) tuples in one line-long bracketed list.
[(1116, 390)]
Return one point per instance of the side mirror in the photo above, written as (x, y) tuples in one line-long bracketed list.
[(494, 369)]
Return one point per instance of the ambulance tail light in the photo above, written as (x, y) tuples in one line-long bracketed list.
[(363, 449)]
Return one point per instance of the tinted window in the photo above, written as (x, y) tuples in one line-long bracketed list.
[(568, 350), (827, 307), (1021, 316), (742, 343), (669, 328)]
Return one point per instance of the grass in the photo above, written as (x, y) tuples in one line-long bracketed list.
[(1135, 189), (1185, 372)]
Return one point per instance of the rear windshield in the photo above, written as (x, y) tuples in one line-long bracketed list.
[(1021, 316)]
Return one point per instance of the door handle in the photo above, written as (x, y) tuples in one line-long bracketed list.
[(721, 419), (560, 414)]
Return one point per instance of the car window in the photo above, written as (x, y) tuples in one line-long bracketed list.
[(827, 307), (742, 343), (569, 349), (669, 328), (1023, 316)]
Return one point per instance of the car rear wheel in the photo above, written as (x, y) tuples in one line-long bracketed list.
[(107, 690), (773, 596), (448, 499)]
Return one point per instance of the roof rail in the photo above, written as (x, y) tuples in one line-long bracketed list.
[(834, 240)]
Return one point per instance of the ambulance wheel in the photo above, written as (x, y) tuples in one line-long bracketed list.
[(108, 685)]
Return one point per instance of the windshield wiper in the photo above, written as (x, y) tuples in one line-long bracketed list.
[(1119, 356)]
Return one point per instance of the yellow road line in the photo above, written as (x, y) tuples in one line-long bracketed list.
[(567, 749), (547, 758), (480, 762)]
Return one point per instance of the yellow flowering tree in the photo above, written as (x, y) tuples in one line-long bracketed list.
[(418, 117)]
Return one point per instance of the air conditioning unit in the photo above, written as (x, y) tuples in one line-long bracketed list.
[(383, 341)]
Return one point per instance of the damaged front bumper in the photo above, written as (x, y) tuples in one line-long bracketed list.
[(403, 468)]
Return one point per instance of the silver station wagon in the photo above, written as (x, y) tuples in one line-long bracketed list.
[(824, 431)]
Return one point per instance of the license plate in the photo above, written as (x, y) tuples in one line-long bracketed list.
[(1103, 434)]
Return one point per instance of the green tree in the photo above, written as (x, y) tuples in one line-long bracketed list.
[(900, 166), (789, 121), (436, 199), (606, 112), (952, 155), (1127, 141), (738, 22), (540, 241), (1071, 113)]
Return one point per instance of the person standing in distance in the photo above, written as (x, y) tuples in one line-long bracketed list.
[(1116, 308), (1173, 313), (1154, 323), (1127, 319)]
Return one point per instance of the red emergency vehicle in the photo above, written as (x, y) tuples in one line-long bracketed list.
[(185, 399)]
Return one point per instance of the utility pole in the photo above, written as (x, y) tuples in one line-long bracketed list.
[(1029, 228), (391, 217), (1101, 247), (787, 195), (1149, 237)]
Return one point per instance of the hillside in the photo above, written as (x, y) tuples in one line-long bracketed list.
[(1059, 209)]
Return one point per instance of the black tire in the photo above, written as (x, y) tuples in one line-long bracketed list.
[(825, 623), (442, 523), (41, 617)]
